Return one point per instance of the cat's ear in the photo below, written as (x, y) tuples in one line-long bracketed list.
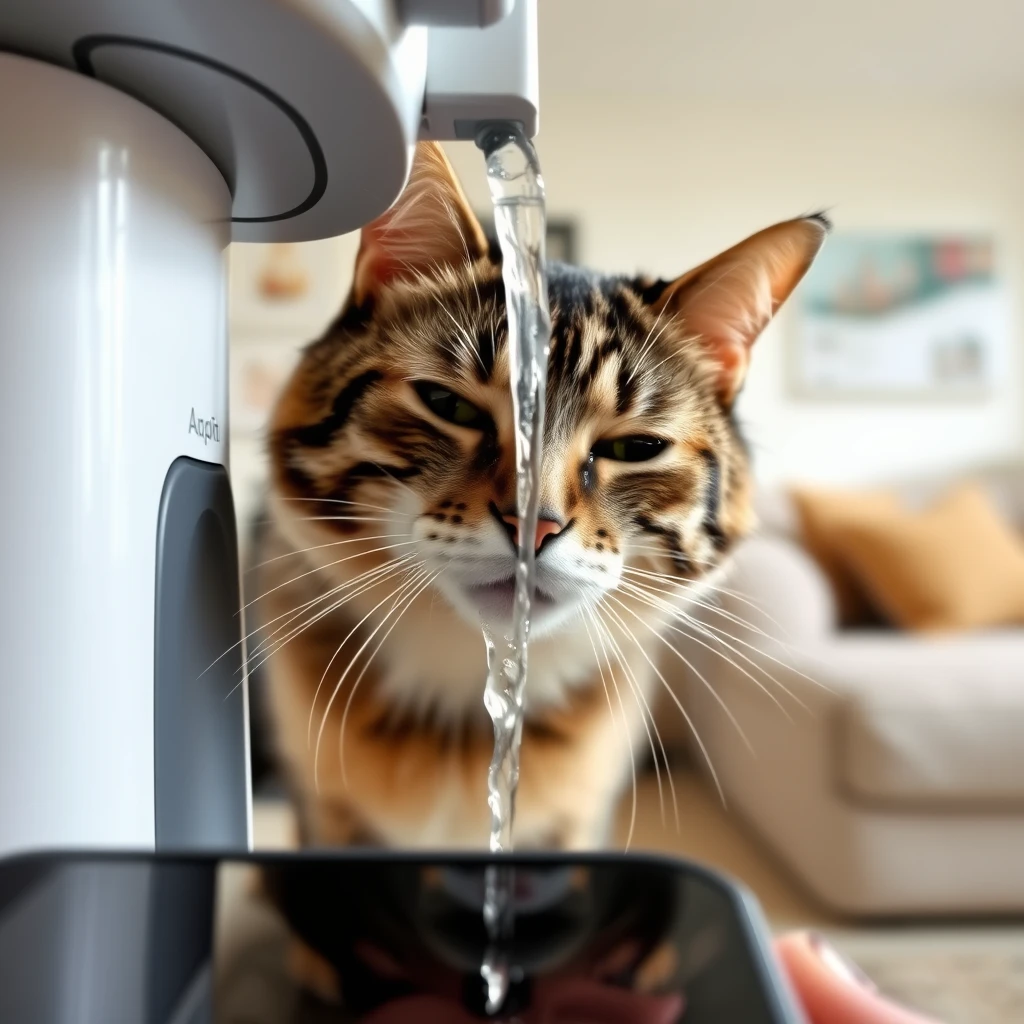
[(728, 301), (430, 226)]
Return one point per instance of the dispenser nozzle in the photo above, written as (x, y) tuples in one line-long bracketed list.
[(482, 77)]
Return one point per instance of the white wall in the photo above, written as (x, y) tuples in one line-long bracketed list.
[(662, 186)]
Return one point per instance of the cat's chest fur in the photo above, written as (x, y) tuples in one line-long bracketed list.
[(436, 664), (398, 754)]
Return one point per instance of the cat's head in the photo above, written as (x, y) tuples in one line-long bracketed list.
[(393, 448)]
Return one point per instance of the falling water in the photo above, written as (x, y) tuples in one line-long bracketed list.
[(517, 191)]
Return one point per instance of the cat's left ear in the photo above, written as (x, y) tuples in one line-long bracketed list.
[(728, 301), (430, 226)]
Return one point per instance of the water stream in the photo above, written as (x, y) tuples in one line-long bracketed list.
[(517, 191)]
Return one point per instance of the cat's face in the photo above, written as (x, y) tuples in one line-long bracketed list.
[(393, 444)]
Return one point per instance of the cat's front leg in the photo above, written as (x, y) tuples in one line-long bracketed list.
[(332, 822)]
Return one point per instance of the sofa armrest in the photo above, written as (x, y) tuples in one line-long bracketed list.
[(777, 589)]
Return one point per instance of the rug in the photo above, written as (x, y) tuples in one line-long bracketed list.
[(954, 987)]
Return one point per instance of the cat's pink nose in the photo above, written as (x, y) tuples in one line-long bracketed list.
[(545, 528)]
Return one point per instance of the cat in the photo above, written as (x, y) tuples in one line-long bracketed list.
[(391, 522)]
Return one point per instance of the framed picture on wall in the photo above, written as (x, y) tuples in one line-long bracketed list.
[(898, 317)]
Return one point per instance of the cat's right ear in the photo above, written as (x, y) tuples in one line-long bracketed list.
[(430, 226), (727, 302)]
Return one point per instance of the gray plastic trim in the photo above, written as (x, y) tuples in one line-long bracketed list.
[(200, 773)]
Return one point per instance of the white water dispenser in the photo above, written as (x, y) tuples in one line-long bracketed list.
[(137, 139)]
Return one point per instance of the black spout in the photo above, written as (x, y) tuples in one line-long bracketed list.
[(492, 135)]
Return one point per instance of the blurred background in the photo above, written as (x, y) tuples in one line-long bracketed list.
[(871, 643)]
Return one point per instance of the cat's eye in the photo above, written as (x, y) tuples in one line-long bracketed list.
[(443, 402), (629, 449)]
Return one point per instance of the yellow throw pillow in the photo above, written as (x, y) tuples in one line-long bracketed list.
[(825, 516), (955, 566)]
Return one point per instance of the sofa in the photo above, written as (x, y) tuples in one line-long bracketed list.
[(886, 768)]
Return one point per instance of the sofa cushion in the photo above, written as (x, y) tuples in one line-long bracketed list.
[(930, 722), (826, 518), (957, 565)]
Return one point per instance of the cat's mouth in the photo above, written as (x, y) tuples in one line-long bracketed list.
[(497, 597)]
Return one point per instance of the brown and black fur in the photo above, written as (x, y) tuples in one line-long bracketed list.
[(399, 755)]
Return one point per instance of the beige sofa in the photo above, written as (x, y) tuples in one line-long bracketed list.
[(898, 787)]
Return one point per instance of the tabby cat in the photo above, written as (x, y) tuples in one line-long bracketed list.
[(392, 522)]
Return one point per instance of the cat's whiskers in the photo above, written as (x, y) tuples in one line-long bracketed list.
[(330, 609), (745, 599), (409, 565), (722, 638), (719, 636), (787, 645), (341, 519), (394, 479), (416, 578), (294, 612), (367, 578), (318, 547), (671, 588), (250, 668), (383, 572), (663, 552), (677, 582), (654, 603), (358, 504), (328, 565), (672, 694), (494, 340), (762, 653), (584, 612), (683, 592), (686, 592), (734, 619), (258, 629), (410, 580), (647, 716), (741, 595), (686, 661), (355, 685), (676, 589), (704, 584)]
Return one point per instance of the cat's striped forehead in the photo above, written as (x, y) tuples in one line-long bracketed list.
[(612, 355)]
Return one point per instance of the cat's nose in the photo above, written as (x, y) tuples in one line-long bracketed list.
[(545, 528)]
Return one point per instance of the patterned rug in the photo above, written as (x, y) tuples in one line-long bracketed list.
[(962, 987)]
